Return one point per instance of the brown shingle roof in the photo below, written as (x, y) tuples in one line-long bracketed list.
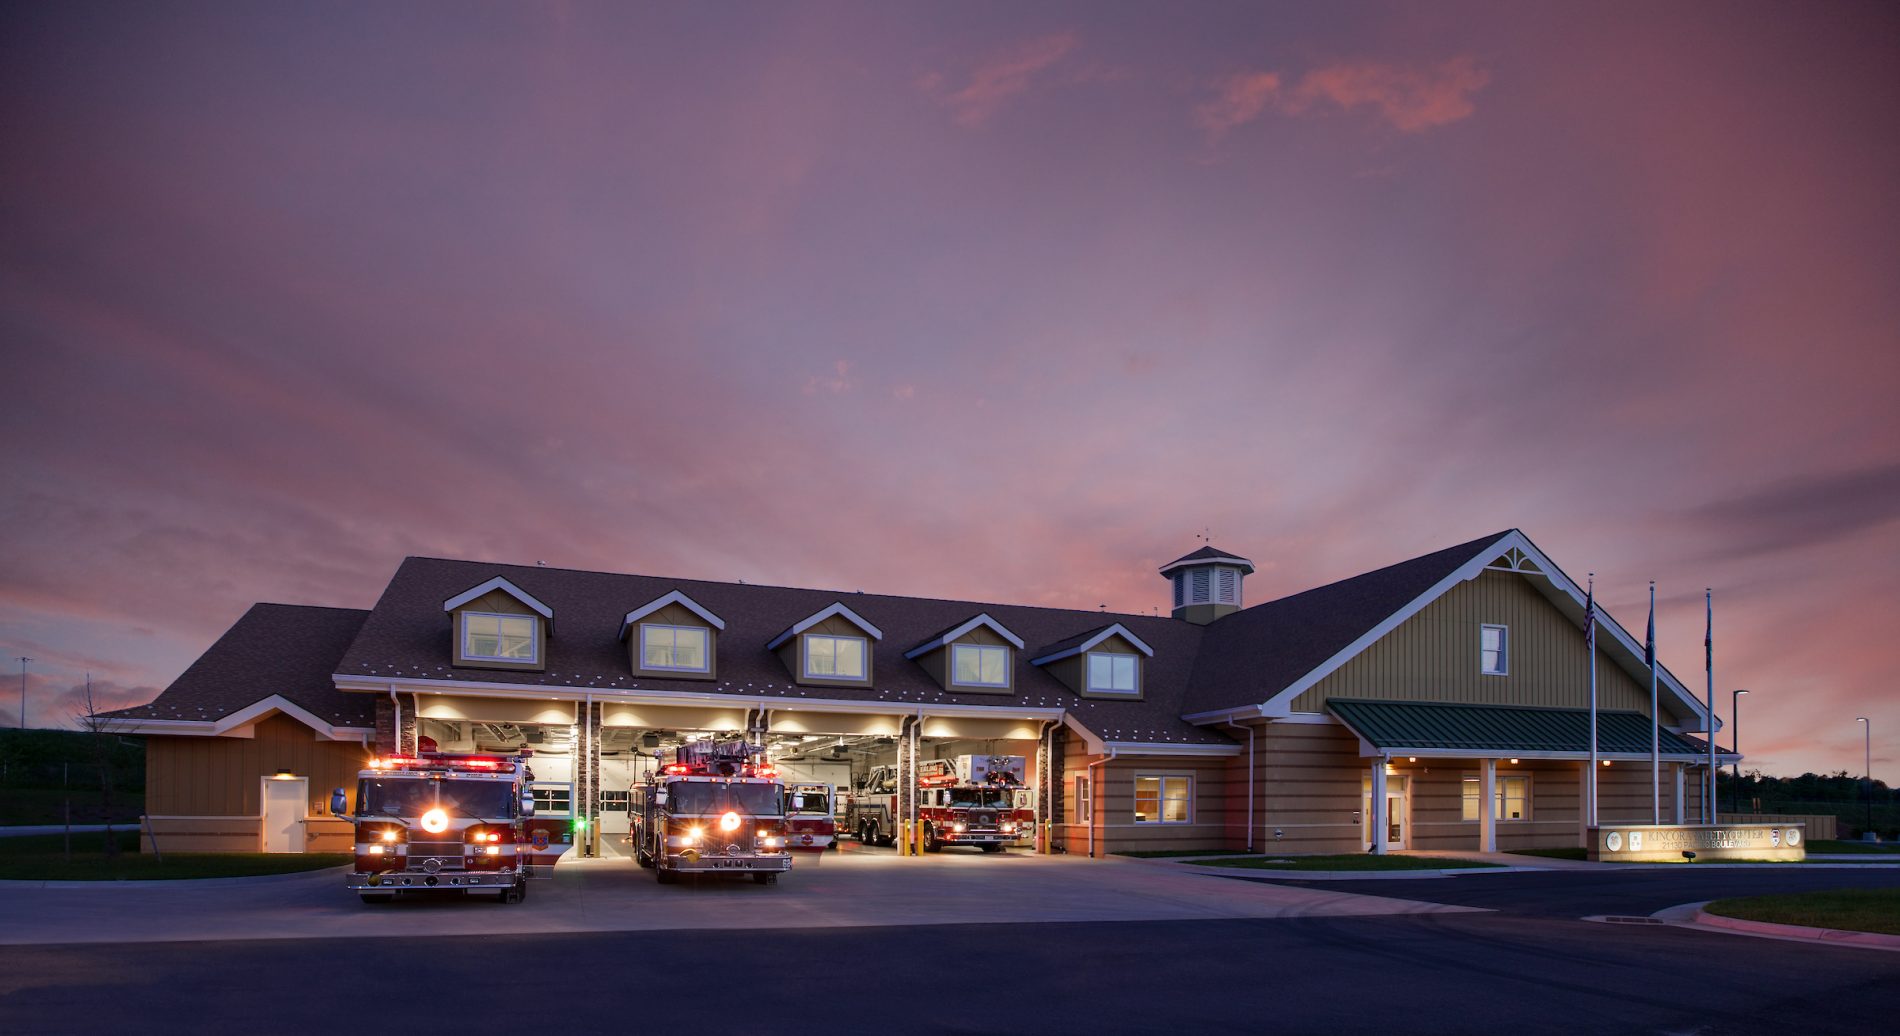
[(1251, 654), (287, 649), (408, 636)]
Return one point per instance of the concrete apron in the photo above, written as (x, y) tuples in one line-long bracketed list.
[(848, 889)]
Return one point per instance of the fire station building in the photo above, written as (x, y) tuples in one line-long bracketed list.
[(1437, 703)]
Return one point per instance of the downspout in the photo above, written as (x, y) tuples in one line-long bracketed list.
[(593, 774), (1251, 732), (1095, 786)]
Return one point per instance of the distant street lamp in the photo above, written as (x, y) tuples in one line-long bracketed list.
[(1868, 769), (1735, 738)]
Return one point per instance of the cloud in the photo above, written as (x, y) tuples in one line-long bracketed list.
[(1004, 76), (1411, 99), (1242, 99), (836, 383), (1810, 510)]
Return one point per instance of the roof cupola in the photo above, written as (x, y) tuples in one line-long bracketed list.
[(1206, 584)]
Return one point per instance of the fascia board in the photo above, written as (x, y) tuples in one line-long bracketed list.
[(676, 597), (981, 620), (499, 583)]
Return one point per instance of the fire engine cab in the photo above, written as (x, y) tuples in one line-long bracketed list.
[(439, 822), (810, 822), (716, 809), (969, 800)]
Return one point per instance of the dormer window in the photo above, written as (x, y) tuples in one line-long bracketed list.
[(834, 658), (499, 638), (832, 645), (498, 625), (1111, 673), (673, 647), (979, 665)]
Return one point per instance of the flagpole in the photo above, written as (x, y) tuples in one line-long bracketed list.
[(1590, 638), (1708, 662), (1655, 717)]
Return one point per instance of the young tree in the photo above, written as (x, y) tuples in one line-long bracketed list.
[(105, 732)]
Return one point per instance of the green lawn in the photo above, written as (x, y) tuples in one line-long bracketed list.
[(1346, 862), (1830, 846), (1576, 853), (1852, 910), (41, 858), (1162, 854)]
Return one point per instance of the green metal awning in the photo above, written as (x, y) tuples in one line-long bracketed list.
[(1440, 728)]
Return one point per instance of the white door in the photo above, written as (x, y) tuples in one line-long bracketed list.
[(1397, 818), (285, 803)]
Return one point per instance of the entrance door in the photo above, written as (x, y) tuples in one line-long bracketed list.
[(285, 806), (1397, 818)]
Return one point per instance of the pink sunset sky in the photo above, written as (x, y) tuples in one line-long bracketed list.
[(992, 301)]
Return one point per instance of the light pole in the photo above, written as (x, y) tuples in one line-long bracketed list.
[(23, 661), (1868, 769), (1735, 742)]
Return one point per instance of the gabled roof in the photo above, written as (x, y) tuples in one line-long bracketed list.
[(1267, 655), (1501, 730), (499, 583), (836, 609), (940, 639), (1081, 642), (1252, 655), (676, 597), (1207, 555), (282, 651)]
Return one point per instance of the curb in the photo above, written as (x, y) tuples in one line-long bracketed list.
[(1834, 936), (252, 879)]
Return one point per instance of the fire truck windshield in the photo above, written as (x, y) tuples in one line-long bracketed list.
[(687, 798), (414, 796), (979, 797), (811, 802)]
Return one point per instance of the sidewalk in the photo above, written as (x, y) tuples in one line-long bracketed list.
[(54, 829)]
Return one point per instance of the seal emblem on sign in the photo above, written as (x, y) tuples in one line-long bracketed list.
[(1774, 837), (1614, 840), (1794, 836), (540, 839), (1636, 841)]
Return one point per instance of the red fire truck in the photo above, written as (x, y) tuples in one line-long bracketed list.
[(440, 822), (810, 820), (970, 800), (716, 809)]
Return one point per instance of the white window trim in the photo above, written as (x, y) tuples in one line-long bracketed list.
[(804, 649), (1161, 802), (954, 648), (1498, 797), (534, 639), (1504, 650), (1088, 669), (1084, 792), (701, 630)]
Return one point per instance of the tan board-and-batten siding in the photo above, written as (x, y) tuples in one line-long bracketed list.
[(1434, 656), (205, 794)]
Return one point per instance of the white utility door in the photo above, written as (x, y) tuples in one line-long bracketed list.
[(285, 806), (1397, 813)]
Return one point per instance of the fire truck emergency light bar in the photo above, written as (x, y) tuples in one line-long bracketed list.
[(444, 761)]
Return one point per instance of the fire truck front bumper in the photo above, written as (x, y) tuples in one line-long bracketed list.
[(397, 881), (691, 862)]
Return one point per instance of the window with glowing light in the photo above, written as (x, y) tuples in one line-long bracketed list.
[(834, 658), (979, 665), (498, 638), (1164, 800), (1513, 800), (673, 647)]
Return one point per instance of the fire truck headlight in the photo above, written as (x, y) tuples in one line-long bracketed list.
[(375, 850), (389, 835), (729, 822), (959, 826), (435, 821), (494, 850), (692, 835), (1008, 828)]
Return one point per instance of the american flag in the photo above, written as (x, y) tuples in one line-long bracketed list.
[(1649, 639), (1590, 613)]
